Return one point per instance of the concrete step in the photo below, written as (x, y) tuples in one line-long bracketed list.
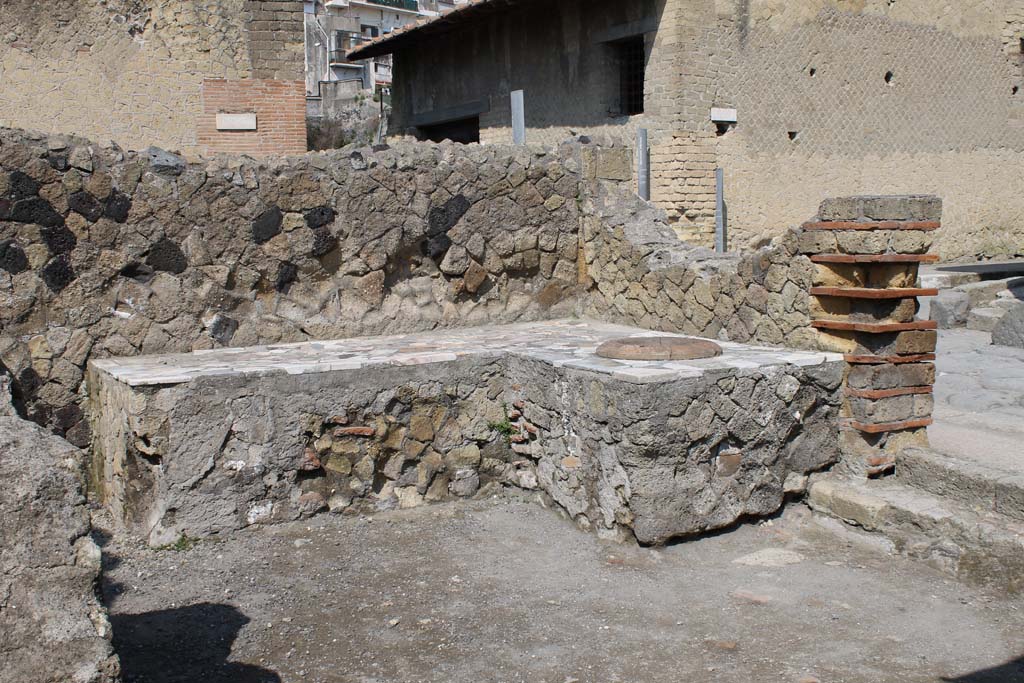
[(982, 487), (984, 319), (985, 548)]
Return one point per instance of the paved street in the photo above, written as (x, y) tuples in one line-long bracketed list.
[(979, 399)]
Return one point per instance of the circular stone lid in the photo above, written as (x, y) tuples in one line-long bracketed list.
[(658, 348)]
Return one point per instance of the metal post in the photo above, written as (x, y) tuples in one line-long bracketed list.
[(643, 165), (518, 118), (721, 236)]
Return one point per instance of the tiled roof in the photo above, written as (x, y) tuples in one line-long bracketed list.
[(406, 35)]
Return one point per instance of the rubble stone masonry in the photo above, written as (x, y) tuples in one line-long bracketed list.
[(112, 253)]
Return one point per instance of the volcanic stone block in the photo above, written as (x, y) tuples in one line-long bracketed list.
[(52, 626), (890, 376), (910, 342), (12, 257), (1009, 331), (267, 225), (882, 208), (950, 309)]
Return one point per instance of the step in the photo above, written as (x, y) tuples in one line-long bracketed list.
[(984, 319), (983, 487), (983, 293), (983, 548), (946, 280)]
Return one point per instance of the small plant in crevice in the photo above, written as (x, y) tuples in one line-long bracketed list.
[(505, 427)]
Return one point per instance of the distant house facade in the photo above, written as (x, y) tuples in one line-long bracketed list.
[(795, 100), (333, 28)]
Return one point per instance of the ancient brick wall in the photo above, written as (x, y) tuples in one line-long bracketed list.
[(280, 109), (133, 71), (891, 98), (276, 38)]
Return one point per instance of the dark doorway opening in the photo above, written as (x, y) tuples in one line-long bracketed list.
[(465, 131), (632, 60)]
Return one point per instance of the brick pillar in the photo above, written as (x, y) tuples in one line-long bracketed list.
[(868, 251), (683, 184)]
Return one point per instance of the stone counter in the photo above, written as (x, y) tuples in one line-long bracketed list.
[(202, 443)]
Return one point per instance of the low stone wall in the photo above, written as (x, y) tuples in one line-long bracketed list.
[(217, 454), (664, 460), (643, 275), (112, 253), (53, 628)]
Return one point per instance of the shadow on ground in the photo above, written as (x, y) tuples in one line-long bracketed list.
[(1011, 672), (186, 644)]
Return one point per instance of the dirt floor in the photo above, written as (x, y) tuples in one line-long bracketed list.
[(506, 590)]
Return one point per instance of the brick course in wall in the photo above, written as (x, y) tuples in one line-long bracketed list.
[(280, 108)]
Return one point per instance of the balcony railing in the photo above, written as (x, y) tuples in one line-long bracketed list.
[(345, 42), (411, 5)]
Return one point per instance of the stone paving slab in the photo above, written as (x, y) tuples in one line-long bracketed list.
[(568, 343), (979, 400)]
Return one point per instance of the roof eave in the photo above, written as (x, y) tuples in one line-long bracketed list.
[(403, 37)]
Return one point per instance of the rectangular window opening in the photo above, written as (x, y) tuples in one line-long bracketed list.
[(632, 62)]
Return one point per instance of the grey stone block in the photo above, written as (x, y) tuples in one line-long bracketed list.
[(52, 626), (164, 162), (1009, 331), (984, 319), (882, 208), (950, 309)]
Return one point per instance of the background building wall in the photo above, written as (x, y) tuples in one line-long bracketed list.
[(949, 120), (875, 97), (132, 71), (554, 52)]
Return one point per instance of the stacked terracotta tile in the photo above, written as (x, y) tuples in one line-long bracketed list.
[(868, 251)]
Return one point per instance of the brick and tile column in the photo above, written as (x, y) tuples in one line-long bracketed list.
[(868, 251)]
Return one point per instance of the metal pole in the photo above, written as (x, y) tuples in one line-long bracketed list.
[(721, 236), (518, 118), (643, 165)]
